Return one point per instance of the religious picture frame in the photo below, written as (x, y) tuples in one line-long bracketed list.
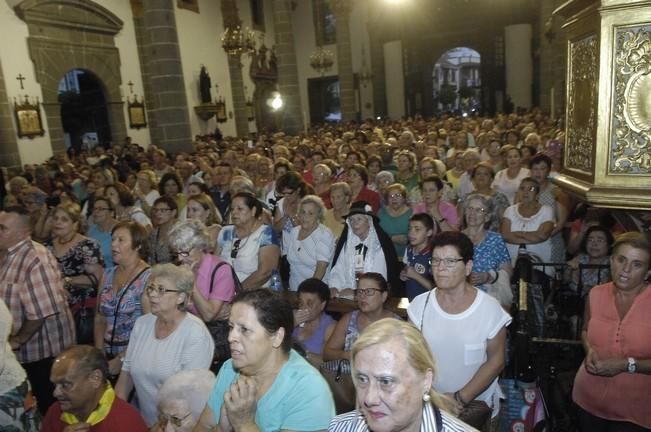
[(136, 110), (28, 118)]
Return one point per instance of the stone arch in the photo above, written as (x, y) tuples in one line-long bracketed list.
[(74, 34)]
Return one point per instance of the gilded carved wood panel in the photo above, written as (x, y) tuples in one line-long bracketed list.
[(583, 75), (630, 152)]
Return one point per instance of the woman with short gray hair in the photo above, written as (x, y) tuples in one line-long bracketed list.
[(215, 283), (182, 399), (165, 341)]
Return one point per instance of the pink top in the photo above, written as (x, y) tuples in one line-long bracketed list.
[(224, 287), (625, 396), (447, 210)]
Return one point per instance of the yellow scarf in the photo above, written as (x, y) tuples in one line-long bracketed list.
[(100, 413)]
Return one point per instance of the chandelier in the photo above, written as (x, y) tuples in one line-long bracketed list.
[(321, 60), (237, 41)]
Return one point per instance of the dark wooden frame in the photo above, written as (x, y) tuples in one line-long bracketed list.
[(137, 115), (191, 5), (28, 119)]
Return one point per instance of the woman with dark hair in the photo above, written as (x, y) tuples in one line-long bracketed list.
[(443, 213), (164, 216), (508, 180), (123, 203), (290, 188), (358, 181), (613, 385), (363, 247), (266, 385), (249, 246), (170, 184), (121, 298), (371, 295), (464, 327), (100, 230), (595, 249), (313, 325)]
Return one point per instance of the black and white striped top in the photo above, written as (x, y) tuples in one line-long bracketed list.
[(354, 421)]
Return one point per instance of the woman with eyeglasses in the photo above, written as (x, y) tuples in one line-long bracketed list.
[(249, 246), (482, 177), (394, 217), (121, 298), (465, 329), (291, 188), (491, 260), (165, 341), (163, 216), (445, 214), (371, 294), (100, 230)]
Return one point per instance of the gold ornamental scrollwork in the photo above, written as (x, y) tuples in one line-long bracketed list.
[(630, 148), (581, 108)]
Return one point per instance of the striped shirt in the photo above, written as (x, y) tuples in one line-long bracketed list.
[(32, 287), (354, 421)]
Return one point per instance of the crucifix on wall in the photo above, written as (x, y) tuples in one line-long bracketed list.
[(21, 78)]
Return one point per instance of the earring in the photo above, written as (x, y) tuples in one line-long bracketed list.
[(426, 397)]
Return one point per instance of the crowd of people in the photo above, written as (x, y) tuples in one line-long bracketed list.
[(127, 275)]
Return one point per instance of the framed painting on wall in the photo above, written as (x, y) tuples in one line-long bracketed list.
[(137, 118), (28, 118)]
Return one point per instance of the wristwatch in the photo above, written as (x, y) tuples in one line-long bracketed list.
[(632, 366)]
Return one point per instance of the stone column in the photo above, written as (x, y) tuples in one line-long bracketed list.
[(291, 119), (9, 155), (141, 41), (376, 51), (232, 20), (167, 109), (341, 9)]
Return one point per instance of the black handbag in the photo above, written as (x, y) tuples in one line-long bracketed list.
[(219, 328), (83, 310)]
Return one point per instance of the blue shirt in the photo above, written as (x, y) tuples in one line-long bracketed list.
[(104, 239), (299, 398), (422, 263), (490, 254)]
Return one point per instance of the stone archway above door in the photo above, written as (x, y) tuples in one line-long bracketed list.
[(73, 34)]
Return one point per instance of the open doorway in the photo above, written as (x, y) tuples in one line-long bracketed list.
[(324, 98), (84, 114), (456, 80)]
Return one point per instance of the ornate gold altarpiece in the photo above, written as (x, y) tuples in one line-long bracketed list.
[(607, 158)]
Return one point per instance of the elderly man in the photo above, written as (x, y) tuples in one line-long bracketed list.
[(85, 399), (32, 287)]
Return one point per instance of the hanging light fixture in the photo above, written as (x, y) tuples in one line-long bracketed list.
[(237, 41), (321, 60)]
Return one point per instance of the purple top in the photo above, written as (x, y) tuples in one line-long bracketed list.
[(224, 288), (316, 341)]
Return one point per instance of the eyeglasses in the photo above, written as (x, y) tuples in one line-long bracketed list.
[(396, 195), (181, 253), (160, 290), (447, 262), (175, 420), (236, 248), (476, 210), (366, 292), (160, 210), (95, 209)]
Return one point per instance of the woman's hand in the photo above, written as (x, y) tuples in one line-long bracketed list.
[(240, 402), (115, 366), (606, 367), (479, 278), (301, 316), (408, 273)]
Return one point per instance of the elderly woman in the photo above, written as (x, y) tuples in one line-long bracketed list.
[(80, 261), (181, 400), (394, 217), (363, 247), (121, 296), (309, 246), (101, 228), (123, 203), (464, 327), (406, 173), (248, 245), (507, 181), (613, 385), (445, 215), (165, 341), (394, 374), (371, 295), (146, 190), (163, 216), (491, 262), (266, 385), (17, 406), (382, 180), (214, 286), (313, 325), (482, 176), (335, 217), (202, 208)]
